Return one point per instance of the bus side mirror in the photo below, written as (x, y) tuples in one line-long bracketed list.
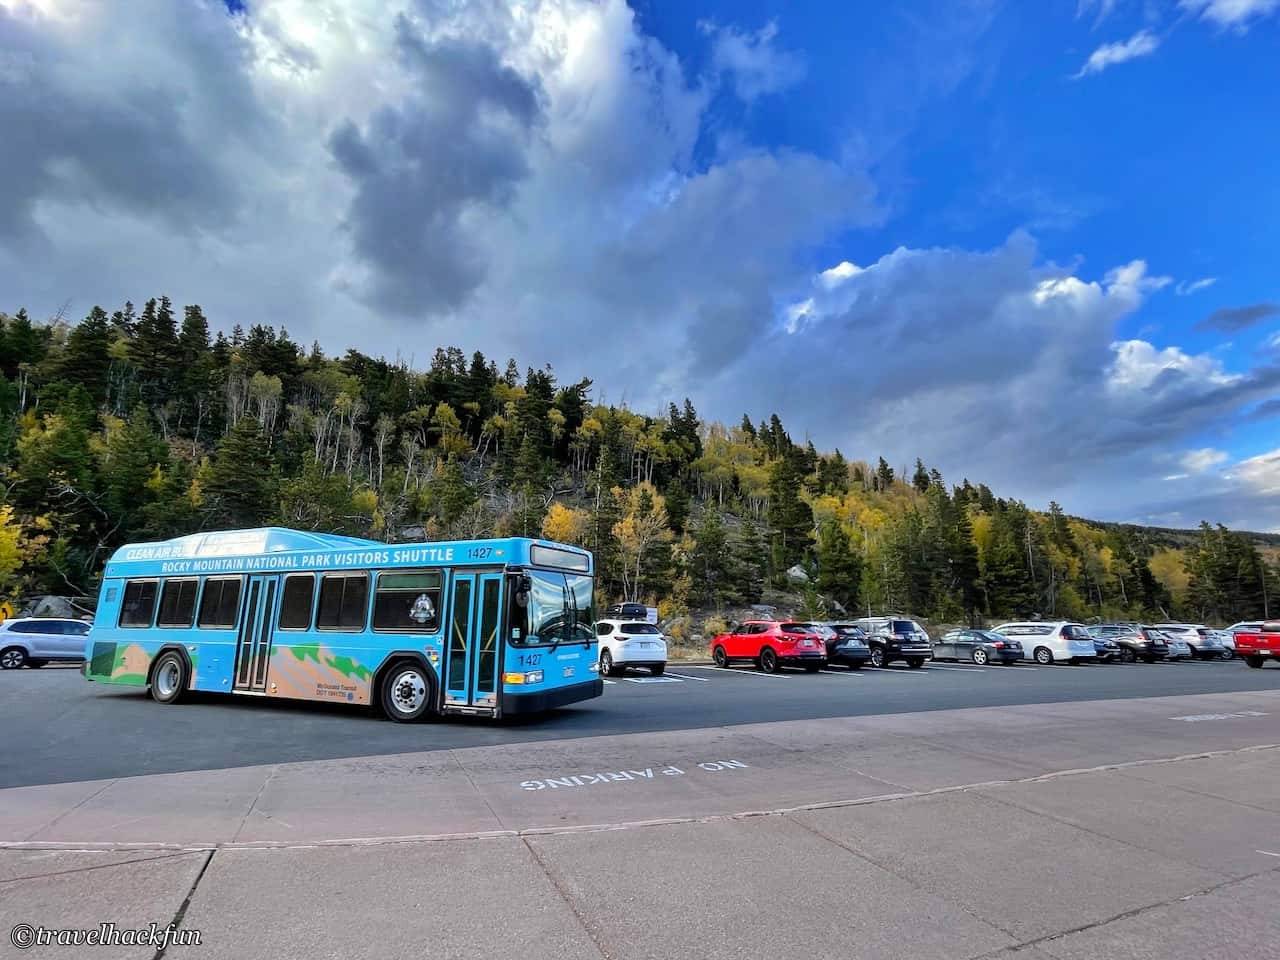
[(524, 585)]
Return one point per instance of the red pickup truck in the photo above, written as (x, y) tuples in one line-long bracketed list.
[(1256, 648)]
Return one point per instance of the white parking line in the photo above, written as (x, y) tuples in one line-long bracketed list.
[(950, 666), (609, 682), (843, 673), (683, 676), (742, 672)]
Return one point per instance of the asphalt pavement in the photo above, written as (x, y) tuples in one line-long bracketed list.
[(1145, 824), (59, 727)]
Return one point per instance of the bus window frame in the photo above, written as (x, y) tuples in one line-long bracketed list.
[(351, 574), (509, 603), (442, 590), (155, 605), (195, 604), (239, 601), (312, 610)]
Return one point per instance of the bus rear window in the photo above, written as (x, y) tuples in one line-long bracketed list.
[(295, 602), (139, 603), (178, 603), (220, 603), (407, 601), (343, 599)]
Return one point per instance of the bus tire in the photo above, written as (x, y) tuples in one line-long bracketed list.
[(405, 691), (169, 677)]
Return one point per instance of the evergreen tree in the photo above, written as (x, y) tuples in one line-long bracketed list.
[(790, 518), (86, 357), (240, 491), (920, 479), (839, 568), (711, 564)]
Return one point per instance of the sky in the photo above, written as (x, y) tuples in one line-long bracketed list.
[(1034, 244)]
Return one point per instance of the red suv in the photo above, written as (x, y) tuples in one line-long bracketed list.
[(771, 644)]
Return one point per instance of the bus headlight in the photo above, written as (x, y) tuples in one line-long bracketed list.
[(520, 679)]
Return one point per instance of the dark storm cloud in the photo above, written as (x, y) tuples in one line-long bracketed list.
[(130, 145), (458, 142), (1231, 319)]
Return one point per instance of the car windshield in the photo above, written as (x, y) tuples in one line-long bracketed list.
[(989, 636), (795, 628), (639, 628), (1073, 632), (903, 626), (850, 632)]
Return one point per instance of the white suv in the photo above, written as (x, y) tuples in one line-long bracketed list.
[(1051, 641), (630, 643)]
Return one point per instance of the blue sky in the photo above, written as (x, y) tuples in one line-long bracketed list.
[(1031, 243)]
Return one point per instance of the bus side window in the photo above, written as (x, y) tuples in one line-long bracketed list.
[(343, 601), (178, 603), (139, 604), (220, 604), (296, 600)]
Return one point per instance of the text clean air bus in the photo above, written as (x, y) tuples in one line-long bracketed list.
[(483, 627)]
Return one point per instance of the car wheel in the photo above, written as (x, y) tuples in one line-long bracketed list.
[(1228, 654), (877, 657), (406, 692), (607, 668), (169, 678), (915, 663), (657, 669), (1044, 656), (768, 660), (719, 657), (1127, 655), (980, 657), (12, 658), (1255, 662)]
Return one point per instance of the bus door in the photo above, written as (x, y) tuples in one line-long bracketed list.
[(473, 651), (254, 640)]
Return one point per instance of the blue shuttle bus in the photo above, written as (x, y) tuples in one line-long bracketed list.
[(481, 627)]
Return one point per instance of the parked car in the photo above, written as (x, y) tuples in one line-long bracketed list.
[(980, 646), (1051, 641), (1135, 642), (770, 645), (1255, 647), (630, 643), (1205, 644), (628, 611), (1229, 636), (35, 641), (1179, 649), (1107, 650), (896, 638), (849, 647)]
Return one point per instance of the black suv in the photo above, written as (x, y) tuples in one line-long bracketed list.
[(1135, 642)]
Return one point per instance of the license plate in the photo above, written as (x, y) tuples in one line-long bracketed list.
[(806, 643)]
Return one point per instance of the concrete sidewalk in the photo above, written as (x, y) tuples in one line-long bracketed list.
[(1061, 830)]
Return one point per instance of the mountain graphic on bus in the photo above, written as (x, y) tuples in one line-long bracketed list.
[(315, 672)]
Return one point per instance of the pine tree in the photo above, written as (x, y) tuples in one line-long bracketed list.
[(711, 564), (86, 357), (240, 491), (920, 479), (839, 568)]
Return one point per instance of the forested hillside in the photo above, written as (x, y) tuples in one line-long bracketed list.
[(140, 425)]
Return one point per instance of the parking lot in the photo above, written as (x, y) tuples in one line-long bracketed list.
[(57, 724)]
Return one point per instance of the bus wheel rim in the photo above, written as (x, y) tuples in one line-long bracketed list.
[(408, 691), (167, 678)]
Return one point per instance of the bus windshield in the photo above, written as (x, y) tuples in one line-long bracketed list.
[(558, 611)]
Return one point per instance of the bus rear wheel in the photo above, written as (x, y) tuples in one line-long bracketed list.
[(406, 692), (169, 678)]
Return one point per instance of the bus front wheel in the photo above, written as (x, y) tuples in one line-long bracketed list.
[(169, 678), (406, 692)]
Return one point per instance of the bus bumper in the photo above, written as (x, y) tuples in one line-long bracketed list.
[(542, 700)]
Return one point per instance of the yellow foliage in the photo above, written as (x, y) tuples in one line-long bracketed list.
[(1168, 567), (566, 524), (365, 501), (10, 547)]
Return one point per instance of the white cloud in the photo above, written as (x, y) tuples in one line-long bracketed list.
[(753, 64), (1139, 366), (1186, 288), (838, 274), (1141, 44), (1206, 458), (1238, 14), (1261, 473)]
